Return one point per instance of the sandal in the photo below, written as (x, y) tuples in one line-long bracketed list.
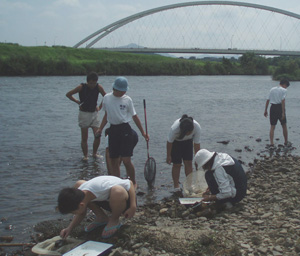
[(94, 225), (109, 232)]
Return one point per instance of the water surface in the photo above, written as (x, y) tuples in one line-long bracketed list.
[(40, 140)]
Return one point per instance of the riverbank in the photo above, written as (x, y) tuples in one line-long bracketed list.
[(266, 222), (17, 60)]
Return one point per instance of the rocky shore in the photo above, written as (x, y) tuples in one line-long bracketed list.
[(266, 222)]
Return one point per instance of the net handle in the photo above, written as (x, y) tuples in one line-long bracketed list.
[(146, 127)]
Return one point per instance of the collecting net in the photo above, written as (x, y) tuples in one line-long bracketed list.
[(150, 171)]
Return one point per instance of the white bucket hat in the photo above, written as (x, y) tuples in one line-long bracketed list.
[(203, 156)]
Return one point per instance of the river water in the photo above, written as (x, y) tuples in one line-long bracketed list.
[(40, 140)]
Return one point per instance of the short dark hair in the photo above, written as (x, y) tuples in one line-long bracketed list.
[(93, 76), (69, 200), (186, 125), (284, 81)]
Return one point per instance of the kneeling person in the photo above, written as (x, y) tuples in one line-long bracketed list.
[(225, 177), (104, 192)]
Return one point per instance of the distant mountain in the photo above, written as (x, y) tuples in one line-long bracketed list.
[(136, 46), (132, 45)]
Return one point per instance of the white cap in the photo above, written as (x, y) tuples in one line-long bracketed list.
[(203, 156)]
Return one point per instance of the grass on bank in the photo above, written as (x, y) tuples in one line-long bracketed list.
[(16, 60), (61, 60)]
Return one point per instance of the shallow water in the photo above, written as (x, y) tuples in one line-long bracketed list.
[(40, 140)]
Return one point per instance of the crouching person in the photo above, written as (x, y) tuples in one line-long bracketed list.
[(225, 177), (104, 192)]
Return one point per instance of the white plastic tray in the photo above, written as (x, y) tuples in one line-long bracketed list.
[(190, 200), (89, 248)]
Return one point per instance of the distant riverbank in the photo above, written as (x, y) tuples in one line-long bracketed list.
[(16, 60)]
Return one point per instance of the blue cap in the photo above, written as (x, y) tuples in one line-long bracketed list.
[(121, 84)]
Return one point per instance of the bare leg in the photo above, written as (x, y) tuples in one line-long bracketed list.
[(96, 142), (117, 202), (285, 133), (176, 174), (115, 166), (84, 139), (100, 214), (188, 167), (108, 161), (272, 129), (129, 169)]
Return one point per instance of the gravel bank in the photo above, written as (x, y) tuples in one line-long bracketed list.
[(266, 222)]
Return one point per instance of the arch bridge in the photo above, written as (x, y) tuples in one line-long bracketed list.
[(210, 27)]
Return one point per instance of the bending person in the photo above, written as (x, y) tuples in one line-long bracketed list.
[(184, 137), (225, 177), (104, 192)]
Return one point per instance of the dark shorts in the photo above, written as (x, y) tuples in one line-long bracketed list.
[(105, 205), (276, 114), (182, 150), (121, 140)]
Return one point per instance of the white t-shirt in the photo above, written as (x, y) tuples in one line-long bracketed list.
[(175, 132), (100, 186), (277, 94), (119, 109)]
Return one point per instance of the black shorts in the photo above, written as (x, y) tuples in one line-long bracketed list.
[(276, 114), (121, 140), (105, 205), (182, 150)]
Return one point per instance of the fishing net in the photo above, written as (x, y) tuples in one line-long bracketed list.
[(56, 246), (195, 184), (150, 171)]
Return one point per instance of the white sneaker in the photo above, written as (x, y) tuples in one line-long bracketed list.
[(288, 144), (177, 192), (85, 158), (228, 205)]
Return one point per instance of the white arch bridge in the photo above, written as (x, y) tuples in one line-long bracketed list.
[(214, 27)]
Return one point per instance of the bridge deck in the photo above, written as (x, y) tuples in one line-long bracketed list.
[(203, 51)]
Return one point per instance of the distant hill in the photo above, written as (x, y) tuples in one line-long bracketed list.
[(135, 46)]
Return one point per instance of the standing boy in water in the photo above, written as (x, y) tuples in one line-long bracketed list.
[(88, 110), (277, 111), (119, 110)]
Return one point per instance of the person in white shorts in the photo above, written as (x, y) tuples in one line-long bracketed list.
[(88, 110)]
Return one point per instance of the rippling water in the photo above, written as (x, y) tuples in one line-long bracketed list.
[(40, 140)]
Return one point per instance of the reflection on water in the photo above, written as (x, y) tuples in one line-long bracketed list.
[(40, 140)]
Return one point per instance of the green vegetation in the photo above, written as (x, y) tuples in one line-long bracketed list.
[(16, 60)]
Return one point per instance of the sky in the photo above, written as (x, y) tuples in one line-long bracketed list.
[(66, 22)]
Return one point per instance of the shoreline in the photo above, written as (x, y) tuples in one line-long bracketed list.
[(266, 222)]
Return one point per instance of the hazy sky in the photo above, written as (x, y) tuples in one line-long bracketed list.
[(66, 22)]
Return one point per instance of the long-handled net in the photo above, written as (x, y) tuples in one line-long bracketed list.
[(150, 165)]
